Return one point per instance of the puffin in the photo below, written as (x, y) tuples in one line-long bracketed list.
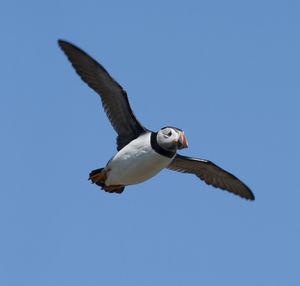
[(141, 153)]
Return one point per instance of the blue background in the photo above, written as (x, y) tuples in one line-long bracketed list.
[(226, 72)]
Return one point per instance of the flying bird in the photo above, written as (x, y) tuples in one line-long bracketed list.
[(142, 153)]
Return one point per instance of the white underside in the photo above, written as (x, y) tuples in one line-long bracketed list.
[(135, 163)]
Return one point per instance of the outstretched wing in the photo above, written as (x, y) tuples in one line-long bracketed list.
[(113, 96), (211, 174)]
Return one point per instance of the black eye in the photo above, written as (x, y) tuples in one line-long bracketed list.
[(170, 133)]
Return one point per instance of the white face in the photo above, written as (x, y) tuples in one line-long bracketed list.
[(169, 138)]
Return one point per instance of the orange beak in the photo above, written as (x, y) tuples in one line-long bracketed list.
[(182, 142)]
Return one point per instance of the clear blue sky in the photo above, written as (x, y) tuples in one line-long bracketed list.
[(226, 72)]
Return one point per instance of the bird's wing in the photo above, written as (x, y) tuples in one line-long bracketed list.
[(211, 174), (113, 96)]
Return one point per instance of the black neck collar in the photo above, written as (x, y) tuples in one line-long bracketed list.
[(155, 146)]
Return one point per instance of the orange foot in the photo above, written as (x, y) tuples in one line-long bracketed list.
[(99, 178), (114, 189)]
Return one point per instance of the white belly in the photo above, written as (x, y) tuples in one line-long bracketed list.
[(135, 163)]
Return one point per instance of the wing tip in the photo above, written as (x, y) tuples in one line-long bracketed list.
[(66, 46), (247, 193), (250, 196), (62, 43), (244, 193)]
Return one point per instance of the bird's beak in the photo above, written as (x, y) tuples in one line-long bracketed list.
[(182, 142)]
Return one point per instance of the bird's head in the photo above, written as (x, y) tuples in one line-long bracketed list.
[(171, 138)]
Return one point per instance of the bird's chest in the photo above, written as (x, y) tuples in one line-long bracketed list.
[(135, 163)]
